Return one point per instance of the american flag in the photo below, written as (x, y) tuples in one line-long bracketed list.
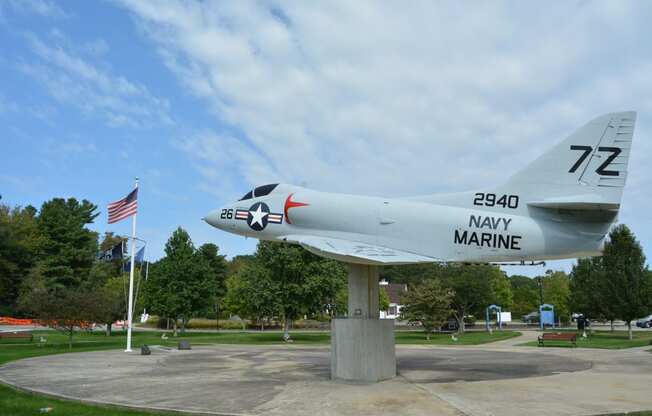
[(126, 207)]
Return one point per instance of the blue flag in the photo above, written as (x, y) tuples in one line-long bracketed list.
[(140, 255), (138, 259)]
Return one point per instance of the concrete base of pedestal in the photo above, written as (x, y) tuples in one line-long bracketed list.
[(362, 350)]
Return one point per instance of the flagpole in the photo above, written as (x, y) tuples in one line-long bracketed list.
[(131, 278)]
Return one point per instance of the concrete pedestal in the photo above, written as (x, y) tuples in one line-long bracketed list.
[(362, 346)]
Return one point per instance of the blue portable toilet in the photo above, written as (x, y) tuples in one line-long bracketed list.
[(546, 315), (499, 321)]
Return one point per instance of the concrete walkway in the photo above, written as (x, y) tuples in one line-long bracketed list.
[(494, 379)]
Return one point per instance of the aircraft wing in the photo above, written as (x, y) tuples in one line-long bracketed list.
[(355, 252)]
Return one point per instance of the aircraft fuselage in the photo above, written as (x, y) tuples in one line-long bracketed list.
[(445, 233)]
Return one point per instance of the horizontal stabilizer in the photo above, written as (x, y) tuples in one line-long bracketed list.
[(355, 252), (587, 203)]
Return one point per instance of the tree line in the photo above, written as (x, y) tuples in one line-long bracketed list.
[(48, 259), (474, 287), (616, 285), (50, 269)]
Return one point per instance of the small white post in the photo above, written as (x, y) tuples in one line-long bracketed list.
[(131, 279)]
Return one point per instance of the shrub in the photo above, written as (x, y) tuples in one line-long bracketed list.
[(202, 323), (310, 324)]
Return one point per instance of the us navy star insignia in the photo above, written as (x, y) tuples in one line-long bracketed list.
[(258, 216)]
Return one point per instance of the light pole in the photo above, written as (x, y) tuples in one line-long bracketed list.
[(540, 282)]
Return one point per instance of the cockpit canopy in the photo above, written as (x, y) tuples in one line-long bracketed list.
[(259, 191)]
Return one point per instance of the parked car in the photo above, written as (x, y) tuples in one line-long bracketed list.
[(644, 322), (451, 324), (531, 318)]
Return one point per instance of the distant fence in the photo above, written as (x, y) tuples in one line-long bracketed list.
[(5, 320)]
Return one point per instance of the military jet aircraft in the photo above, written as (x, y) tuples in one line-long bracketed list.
[(560, 206)]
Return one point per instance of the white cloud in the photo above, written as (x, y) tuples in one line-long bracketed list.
[(220, 159), (97, 92), (400, 98), (43, 8), (344, 95), (11, 108)]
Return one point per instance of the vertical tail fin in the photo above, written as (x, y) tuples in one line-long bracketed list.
[(589, 167)]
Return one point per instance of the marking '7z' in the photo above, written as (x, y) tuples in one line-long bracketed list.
[(601, 170)]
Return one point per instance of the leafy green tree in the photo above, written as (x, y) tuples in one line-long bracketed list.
[(111, 303), (68, 249), (341, 300), (472, 288), (237, 263), (181, 284), (590, 290), (218, 266), (411, 274), (323, 282), (627, 282), (19, 242), (585, 281), (502, 290), (101, 272), (383, 299), (428, 304), (253, 293), (64, 309), (525, 293), (160, 293), (340, 305), (110, 240), (302, 282), (235, 300), (210, 254), (556, 291)]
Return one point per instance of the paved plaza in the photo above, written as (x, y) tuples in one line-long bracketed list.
[(494, 379)]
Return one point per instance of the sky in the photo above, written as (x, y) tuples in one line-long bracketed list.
[(203, 100)]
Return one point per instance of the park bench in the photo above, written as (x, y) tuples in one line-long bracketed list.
[(17, 335), (559, 336)]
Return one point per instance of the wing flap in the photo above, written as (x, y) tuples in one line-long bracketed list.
[(355, 252)]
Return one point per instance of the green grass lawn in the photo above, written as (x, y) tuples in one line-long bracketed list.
[(603, 339), (14, 402), (58, 343), (469, 338)]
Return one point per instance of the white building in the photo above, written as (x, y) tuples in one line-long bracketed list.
[(394, 292)]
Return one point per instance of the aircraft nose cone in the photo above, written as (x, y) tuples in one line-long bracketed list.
[(213, 218)]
